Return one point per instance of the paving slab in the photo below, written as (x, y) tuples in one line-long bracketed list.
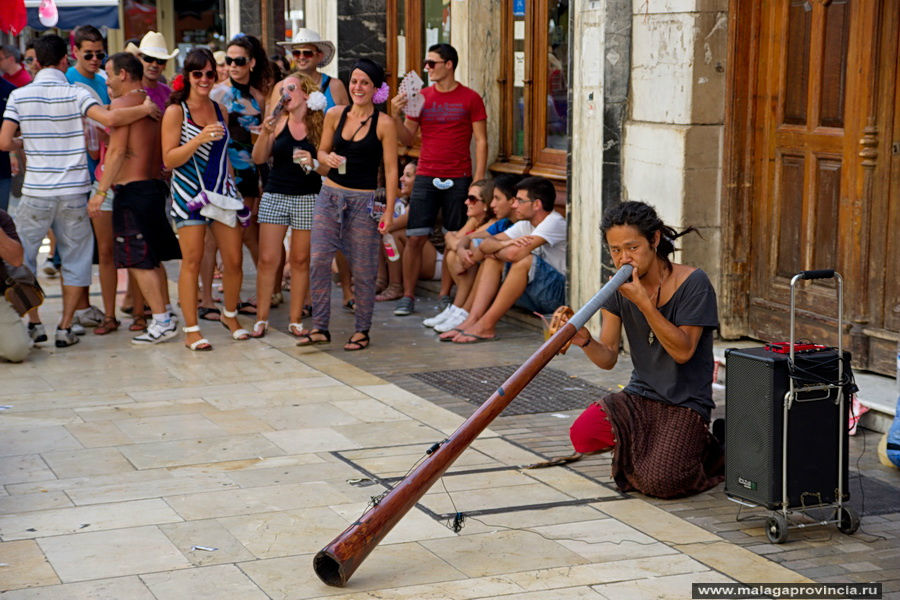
[(229, 470)]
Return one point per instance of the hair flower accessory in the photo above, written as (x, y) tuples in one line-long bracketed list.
[(178, 83), (316, 101), (381, 96)]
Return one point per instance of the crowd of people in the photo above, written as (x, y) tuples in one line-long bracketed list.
[(127, 170), (242, 150)]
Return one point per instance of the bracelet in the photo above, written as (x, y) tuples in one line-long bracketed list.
[(104, 194), (585, 345)]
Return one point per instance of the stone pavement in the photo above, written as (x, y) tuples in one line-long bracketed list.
[(154, 472)]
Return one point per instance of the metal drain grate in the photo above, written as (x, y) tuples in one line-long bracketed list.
[(552, 389)]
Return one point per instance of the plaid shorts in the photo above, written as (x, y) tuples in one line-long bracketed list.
[(283, 209)]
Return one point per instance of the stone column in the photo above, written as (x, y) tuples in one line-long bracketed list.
[(321, 17), (362, 28), (672, 151), (475, 33)]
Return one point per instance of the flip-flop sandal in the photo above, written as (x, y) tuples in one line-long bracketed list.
[(138, 324), (350, 305), (244, 308), (206, 313), (108, 325), (307, 339), (361, 344), (476, 339), (449, 338)]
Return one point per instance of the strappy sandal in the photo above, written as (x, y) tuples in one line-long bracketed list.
[(392, 292), (138, 324), (239, 334), (307, 339), (360, 344), (349, 305), (256, 333), (247, 308), (306, 312), (208, 313), (201, 345), (108, 325), (295, 329)]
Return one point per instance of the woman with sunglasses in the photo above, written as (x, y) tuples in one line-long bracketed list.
[(195, 145), (290, 139), (244, 97), (479, 217), (354, 143)]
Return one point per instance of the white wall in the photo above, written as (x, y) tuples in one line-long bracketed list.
[(673, 138)]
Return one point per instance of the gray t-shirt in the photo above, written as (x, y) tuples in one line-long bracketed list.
[(656, 375)]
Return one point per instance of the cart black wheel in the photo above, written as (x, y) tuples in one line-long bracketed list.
[(777, 528), (848, 520)]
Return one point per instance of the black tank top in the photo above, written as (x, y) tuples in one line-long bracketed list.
[(363, 157), (287, 177)]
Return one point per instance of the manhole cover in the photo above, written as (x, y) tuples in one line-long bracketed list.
[(552, 389)]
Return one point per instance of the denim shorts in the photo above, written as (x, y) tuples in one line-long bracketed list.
[(107, 204), (546, 289), (68, 218)]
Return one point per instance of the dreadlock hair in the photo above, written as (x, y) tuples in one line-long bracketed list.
[(643, 217)]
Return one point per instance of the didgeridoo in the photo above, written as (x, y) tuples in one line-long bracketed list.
[(336, 562)]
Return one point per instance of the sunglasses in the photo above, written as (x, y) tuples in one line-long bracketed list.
[(304, 53), (290, 87), (29, 60), (90, 55), (200, 74), (431, 63), (152, 59), (473, 199), (239, 61)]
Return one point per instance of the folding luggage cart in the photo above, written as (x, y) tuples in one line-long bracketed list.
[(783, 457)]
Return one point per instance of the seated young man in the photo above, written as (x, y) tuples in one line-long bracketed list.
[(658, 426), (535, 248)]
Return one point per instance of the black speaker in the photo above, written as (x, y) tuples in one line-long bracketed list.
[(756, 382)]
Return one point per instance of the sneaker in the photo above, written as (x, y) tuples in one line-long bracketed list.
[(65, 338), (77, 328), (453, 321), (156, 332), (432, 321), (443, 303), (174, 318), (89, 317), (405, 306), (37, 333), (49, 269)]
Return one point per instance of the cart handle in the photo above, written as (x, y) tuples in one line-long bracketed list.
[(818, 274)]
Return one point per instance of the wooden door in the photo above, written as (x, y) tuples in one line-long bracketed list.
[(817, 108)]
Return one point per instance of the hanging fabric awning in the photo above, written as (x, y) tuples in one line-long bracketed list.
[(73, 13)]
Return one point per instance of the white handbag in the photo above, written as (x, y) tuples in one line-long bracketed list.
[(220, 207)]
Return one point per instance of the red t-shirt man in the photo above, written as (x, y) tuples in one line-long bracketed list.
[(19, 78), (446, 123)]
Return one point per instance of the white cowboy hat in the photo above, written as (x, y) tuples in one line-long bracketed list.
[(308, 37), (154, 44)]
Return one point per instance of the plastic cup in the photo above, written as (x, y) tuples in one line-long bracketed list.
[(342, 168)]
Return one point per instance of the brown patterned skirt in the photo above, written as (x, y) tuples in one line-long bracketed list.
[(661, 450)]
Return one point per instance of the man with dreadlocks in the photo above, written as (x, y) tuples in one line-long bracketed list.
[(657, 426)]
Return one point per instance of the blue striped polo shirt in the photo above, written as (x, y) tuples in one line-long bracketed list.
[(49, 112)]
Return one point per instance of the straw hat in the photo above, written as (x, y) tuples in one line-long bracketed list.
[(154, 44), (308, 37), (219, 55)]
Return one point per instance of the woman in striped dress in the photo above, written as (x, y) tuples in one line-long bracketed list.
[(194, 145)]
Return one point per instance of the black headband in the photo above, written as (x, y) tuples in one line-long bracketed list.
[(372, 69)]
